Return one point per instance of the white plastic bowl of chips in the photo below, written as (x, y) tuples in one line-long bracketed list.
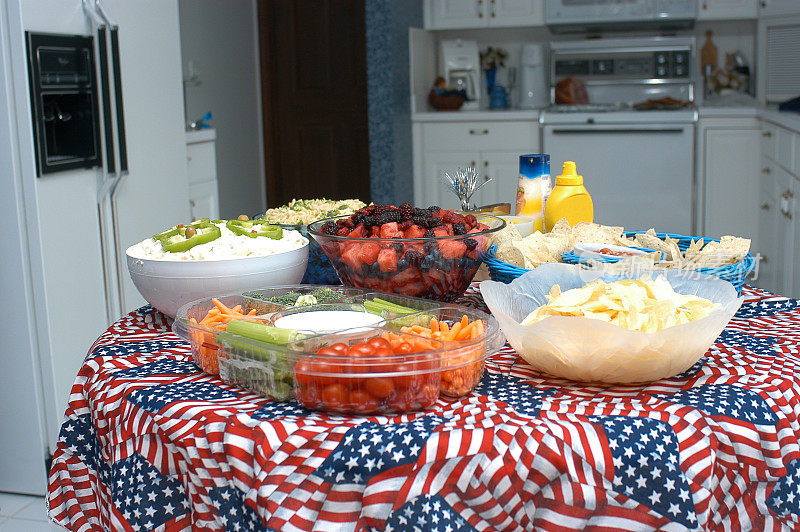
[(591, 350)]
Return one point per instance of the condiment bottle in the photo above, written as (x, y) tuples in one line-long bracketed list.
[(534, 185), (569, 199)]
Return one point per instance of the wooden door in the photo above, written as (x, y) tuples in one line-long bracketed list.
[(314, 94)]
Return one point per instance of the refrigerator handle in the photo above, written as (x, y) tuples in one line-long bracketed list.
[(123, 147), (111, 168)]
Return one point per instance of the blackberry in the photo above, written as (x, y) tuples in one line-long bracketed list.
[(427, 263), (413, 257), (348, 222), (402, 264), (421, 213), (406, 211), (382, 209), (419, 220), (459, 229), (431, 246), (398, 247), (429, 234), (369, 221), (434, 208), (329, 228), (406, 225), (471, 243), (388, 217), (433, 222)]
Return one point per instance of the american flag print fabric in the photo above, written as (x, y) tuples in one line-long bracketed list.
[(150, 442)]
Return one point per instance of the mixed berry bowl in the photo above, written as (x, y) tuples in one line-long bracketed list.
[(430, 253)]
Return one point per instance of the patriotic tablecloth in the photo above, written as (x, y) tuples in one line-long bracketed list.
[(152, 443)]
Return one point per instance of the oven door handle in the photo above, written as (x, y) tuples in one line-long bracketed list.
[(612, 131), (123, 147), (111, 167)]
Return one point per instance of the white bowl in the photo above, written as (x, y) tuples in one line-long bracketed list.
[(169, 284), (589, 350)]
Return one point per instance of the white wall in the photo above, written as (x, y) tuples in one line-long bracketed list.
[(220, 38)]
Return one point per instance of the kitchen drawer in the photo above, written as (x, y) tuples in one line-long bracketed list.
[(201, 162), (479, 136)]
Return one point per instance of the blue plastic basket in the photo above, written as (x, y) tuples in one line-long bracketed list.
[(734, 273)]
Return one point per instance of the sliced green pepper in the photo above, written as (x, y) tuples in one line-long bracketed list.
[(255, 228), (177, 242), (181, 229)]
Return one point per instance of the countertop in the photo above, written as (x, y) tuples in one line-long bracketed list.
[(200, 135)]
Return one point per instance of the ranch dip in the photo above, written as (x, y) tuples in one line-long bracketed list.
[(324, 321)]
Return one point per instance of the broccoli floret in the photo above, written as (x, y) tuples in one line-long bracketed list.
[(326, 295), (288, 299)]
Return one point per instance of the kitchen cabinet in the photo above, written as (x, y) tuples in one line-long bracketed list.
[(727, 9), (201, 165), (456, 14), (493, 148), (770, 8), (729, 177), (779, 235)]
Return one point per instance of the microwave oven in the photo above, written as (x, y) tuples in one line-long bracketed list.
[(563, 16)]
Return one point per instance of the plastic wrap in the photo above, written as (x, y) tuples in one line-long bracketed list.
[(589, 350)]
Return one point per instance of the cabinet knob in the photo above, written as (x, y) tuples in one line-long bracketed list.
[(480, 12), (765, 207), (787, 194), (763, 4), (486, 178), (787, 214), (472, 164), (763, 258), (486, 164), (765, 171), (766, 133), (705, 6), (191, 202), (478, 131)]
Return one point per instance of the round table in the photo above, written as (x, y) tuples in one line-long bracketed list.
[(151, 441)]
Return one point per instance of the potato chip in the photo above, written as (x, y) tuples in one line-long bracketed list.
[(636, 304)]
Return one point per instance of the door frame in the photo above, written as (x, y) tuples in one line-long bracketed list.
[(271, 170)]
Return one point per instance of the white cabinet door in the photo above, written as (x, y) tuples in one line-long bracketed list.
[(449, 14), (784, 231), (437, 163), (767, 241), (516, 12), (769, 8), (731, 183), (204, 200), (727, 9), (503, 169), (795, 255)]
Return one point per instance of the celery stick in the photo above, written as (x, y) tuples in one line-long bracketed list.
[(382, 304), (263, 333)]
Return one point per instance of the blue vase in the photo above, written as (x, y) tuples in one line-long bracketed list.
[(490, 75)]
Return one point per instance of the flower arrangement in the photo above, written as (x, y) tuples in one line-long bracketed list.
[(493, 58)]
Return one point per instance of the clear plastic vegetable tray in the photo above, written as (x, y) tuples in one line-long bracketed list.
[(394, 366)]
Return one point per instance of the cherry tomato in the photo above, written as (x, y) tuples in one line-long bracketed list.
[(360, 349), (340, 348), (403, 349), (325, 370), (362, 402), (381, 352), (329, 352), (334, 396), (379, 342), (404, 381), (301, 370), (379, 387), (309, 395)]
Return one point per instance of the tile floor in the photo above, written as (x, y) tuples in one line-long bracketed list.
[(24, 513)]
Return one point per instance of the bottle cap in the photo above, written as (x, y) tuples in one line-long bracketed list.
[(534, 165), (568, 175)]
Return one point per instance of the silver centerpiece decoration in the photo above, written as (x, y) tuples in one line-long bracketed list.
[(465, 183)]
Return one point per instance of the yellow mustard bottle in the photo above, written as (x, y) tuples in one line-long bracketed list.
[(569, 199)]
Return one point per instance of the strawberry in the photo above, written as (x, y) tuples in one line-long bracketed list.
[(452, 249), (387, 260)]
